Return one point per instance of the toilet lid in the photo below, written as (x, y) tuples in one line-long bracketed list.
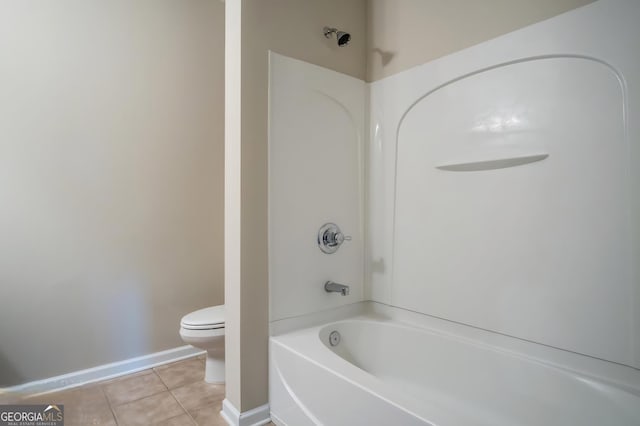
[(212, 317)]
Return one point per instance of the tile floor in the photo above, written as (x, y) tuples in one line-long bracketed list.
[(170, 395)]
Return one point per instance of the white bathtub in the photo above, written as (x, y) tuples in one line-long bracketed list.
[(394, 367)]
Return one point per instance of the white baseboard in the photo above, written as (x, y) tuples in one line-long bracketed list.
[(104, 372), (256, 417)]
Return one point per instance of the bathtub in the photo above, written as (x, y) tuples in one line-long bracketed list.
[(394, 367)]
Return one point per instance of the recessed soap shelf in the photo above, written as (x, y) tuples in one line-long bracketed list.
[(473, 166)]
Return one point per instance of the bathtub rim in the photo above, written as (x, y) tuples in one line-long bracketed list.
[(608, 373)]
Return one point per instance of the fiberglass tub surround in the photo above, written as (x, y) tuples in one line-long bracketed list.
[(538, 250), (501, 197), (315, 178)]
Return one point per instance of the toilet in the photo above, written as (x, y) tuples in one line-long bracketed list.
[(204, 329)]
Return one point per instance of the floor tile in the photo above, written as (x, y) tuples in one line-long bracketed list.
[(182, 420), (131, 388), (181, 373), (87, 406), (198, 395), (148, 411), (83, 406), (209, 416), (11, 397), (141, 398)]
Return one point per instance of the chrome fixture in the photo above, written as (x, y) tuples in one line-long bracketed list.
[(342, 37), (334, 338), (330, 238), (331, 287)]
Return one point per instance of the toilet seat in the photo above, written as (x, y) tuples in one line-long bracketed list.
[(204, 319)]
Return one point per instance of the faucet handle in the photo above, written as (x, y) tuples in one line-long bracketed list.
[(330, 237), (341, 238)]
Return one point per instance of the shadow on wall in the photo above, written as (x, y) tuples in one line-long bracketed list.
[(386, 56), (9, 376)]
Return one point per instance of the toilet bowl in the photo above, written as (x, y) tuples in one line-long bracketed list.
[(204, 329)]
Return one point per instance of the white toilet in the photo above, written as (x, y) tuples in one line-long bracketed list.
[(204, 329)]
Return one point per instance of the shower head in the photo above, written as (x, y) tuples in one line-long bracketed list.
[(343, 37)]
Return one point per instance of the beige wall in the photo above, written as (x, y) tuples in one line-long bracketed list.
[(292, 28), (111, 178), (406, 33)]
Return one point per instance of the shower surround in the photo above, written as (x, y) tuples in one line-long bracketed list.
[(497, 242)]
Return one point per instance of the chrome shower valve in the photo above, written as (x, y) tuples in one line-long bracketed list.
[(330, 238)]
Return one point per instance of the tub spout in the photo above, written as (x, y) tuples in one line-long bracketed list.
[(331, 287)]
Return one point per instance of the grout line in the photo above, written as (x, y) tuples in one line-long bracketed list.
[(199, 407), (184, 409), (119, 379), (113, 413), (137, 399), (177, 362), (161, 379)]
